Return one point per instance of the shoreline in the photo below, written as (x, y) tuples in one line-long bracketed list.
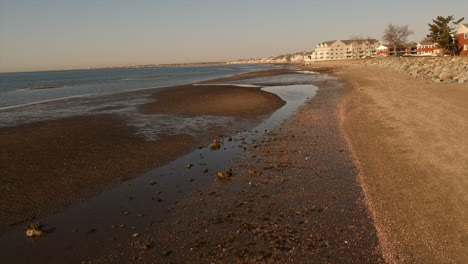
[(96, 152), (294, 197)]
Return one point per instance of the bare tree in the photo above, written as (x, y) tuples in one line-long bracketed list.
[(396, 35)]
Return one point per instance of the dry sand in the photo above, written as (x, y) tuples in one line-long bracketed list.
[(410, 138)]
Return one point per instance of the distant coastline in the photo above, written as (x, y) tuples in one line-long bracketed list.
[(162, 65), (126, 67)]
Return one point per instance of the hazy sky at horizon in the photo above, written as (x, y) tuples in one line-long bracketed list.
[(66, 34)]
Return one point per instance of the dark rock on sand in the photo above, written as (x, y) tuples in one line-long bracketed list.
[(224, 175)]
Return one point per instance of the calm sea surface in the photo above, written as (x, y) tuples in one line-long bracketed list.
[(27, 98), (17, 89)]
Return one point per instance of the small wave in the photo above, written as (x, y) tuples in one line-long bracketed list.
[(44, 101), (44, 87), (80, 96), (145, 77), (307, 72), (228, 84)]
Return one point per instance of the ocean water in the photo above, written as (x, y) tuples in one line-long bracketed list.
[(25, 88), (122, 92)]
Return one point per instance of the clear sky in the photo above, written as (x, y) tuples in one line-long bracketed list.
[(67, 34)]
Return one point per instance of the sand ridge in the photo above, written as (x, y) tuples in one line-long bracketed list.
[(214, 100)]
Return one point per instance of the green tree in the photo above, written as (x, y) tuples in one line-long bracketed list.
[(442, 32)]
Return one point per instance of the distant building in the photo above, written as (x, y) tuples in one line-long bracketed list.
[(345, 49), (462, 34), (411, 49), (429, 48), (388, 50), (328, 50), (383, 51)]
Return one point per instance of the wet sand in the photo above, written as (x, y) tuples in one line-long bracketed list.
[(266, 73), (53, 164), (214, 100), (49, 165), (294, 198), (410, 140)]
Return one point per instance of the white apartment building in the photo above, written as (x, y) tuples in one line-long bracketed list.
[(346, 49)]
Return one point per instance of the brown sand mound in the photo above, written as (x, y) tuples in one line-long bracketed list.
[(214, 100)]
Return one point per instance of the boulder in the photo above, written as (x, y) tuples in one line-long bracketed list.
[(445, 75)]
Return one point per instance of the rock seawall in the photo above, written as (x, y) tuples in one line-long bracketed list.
[(438, 69)]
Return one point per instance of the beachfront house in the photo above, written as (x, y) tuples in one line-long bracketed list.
[(345, 49), (429, 48), (411, 49), (462, 35), (383, 51), (361, 48), (323, 50)]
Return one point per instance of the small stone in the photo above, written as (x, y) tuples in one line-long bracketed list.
[(191, 179), (34, 232), (140, 215), (215, 145), (188, 166), (146, 247), (205, 170), (135, 235), (255, 173), (224, 175), (125, 213), (167, 253), (152, 182)]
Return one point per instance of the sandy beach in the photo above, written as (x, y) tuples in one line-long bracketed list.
[(370, 170), (409, 138)]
